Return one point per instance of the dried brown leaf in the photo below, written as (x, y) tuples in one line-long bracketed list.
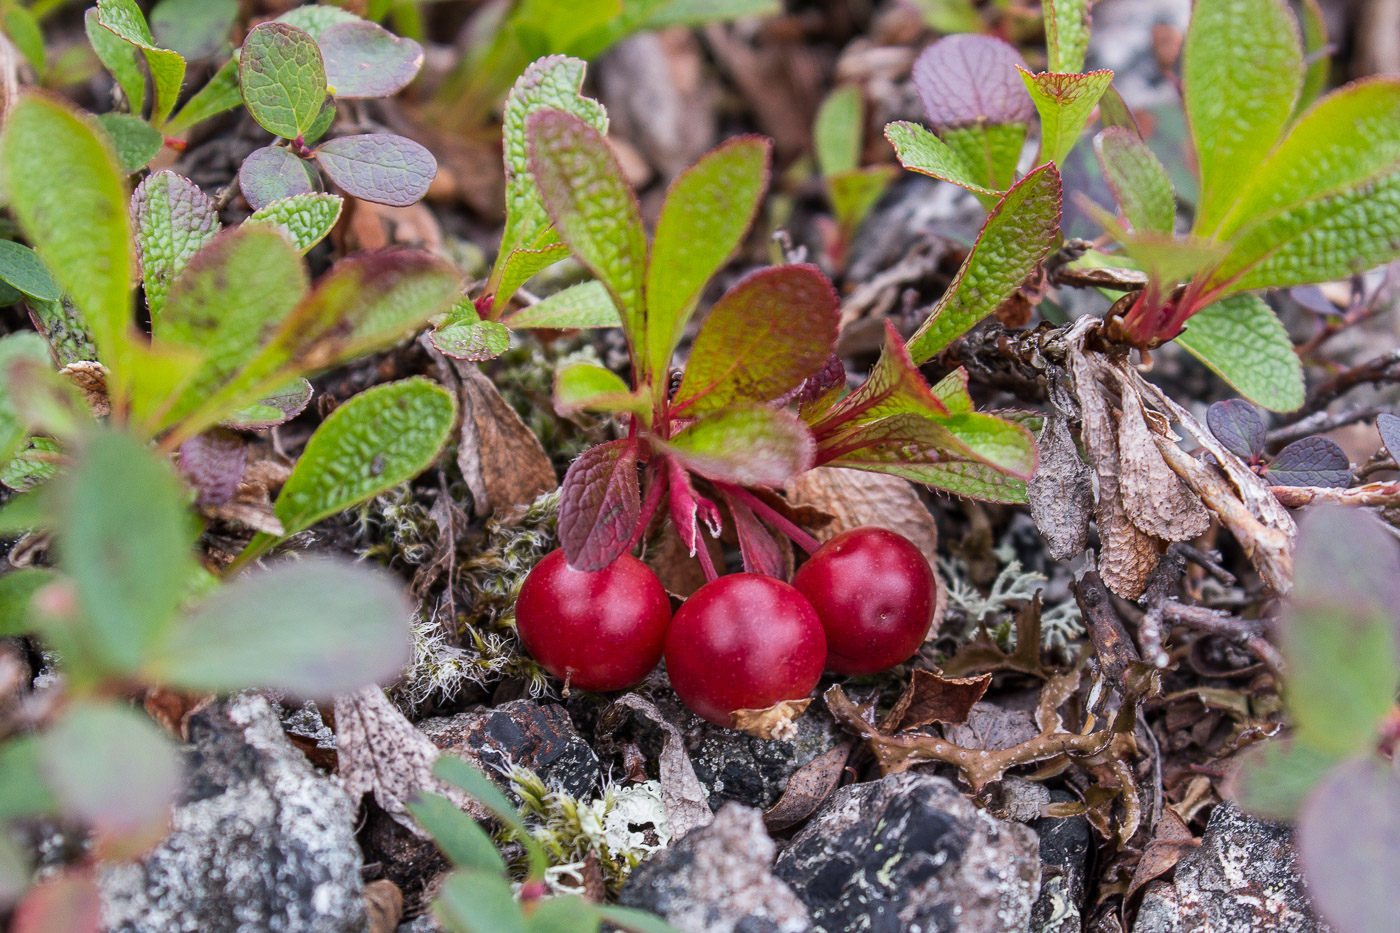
[(932, 697), (778, 721), (807, 788), (682, 794), (982, 653), (91, 379), (501, 460), (1155, 498), (1061, 493), (1170, 842), (383, 906)]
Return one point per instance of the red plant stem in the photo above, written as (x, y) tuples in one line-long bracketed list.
[(707, 563), (649, 505), (775, 518)]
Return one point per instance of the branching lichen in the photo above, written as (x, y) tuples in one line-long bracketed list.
[(1059, 624)]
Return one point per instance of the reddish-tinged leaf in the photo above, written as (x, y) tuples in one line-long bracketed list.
[(379, 167), (282, 78), (746, 446), (364, 59), (969, 79), (1311, 461), (599, 505), (595, 212), (279, 407), (893, 386), (273, 173), (173, 219), (66, 903), (689, 509), (213, 464), (1236, 424), (1065, 103), (759, 548), (762, 339), (821, 390)]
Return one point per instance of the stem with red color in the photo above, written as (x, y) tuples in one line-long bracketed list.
[(773, 517)]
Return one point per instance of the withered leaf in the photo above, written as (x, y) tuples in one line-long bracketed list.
[(682, 794), (807, 788), (383, 905), (1155, 498), (383, 754), (932, 697), (982, 653), (778, 721), (1061, 494), (1170, 842), (91, 379), (501, 460)]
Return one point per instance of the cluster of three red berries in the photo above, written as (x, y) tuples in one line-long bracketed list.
[(861, 603)]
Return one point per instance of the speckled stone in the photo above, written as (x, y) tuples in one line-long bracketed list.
[(718, 879), (260, 843), (1244, 876), (911, 854), (538, 736), (1065, 846)]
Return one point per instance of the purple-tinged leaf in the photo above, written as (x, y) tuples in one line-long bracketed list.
[(1349, 845), (969, 79), (379, 167), (1389, 426), (364, 59), (822, 389), (66, 902), (759, 548), (765, 336), (196, 29), (1312, 461), (746, 446), (283, 79), (599, 505), (273, 173), (213, 464), (1237, 425), (690, 510), (173, 219), (278, 408), (894, 386)]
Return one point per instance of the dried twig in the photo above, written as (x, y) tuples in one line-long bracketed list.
[(1244, 632), (1371, 494)]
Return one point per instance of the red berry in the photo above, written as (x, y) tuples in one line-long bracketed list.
[(599, 630), (874, 593), (744, 641)]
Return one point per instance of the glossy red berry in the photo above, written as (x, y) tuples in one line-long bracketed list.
[(874, 593), (744, 641), (599, 630)]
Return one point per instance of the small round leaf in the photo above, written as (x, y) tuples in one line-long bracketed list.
[(283, 78), (273, 173), (379, 167), (364, 59)]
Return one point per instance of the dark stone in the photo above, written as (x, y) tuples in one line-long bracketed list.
[(1244, 876), (911, 853), (718, 879), (1065, 846), (538, 736), (260, 841)]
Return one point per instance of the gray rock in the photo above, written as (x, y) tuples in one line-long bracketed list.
[(538, 736), (1065, 846), (260, 842), (718, 879), (910, 854), (1244, 876)]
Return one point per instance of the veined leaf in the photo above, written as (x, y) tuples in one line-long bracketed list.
[(1137, 179), (1065, 103), (72, 207), (1066, 35), (992, 151), (893, 387), (315, 18), (364, 59), (1243, 342), (22, 270), (379, 167), (920, 151), (219, 94), (465, 336), (745, 445), (707, 211), (769, 332), (119, 57), (550, 83), (125, 19), (1242, 69), (280, 406), (304, 219), (599, 505), (283, 79), (134, 140), (580, 306), (380, 438), (596, 213), (273, 173), (173, 220), (586, 387), (838, 131), (1017, 236), (314, 627), (967, 80)]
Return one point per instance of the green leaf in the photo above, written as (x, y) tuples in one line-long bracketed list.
[(1066, 35), (854, 194), (747, 445), (220, 94), (567, 913), (517, 268), (173, 219), (1019, 233), (707, 211), (1242, 341), (586, 387), (838, 131), (465, 844), (584, 305), (126, 542), (1271, 778), (282, 78), (33, 397), (478, 902), (23, 792), (17, 588), (125, 20), (992, 152), (280, 406), (377, 440), (119, 57), (596, 213), (1242, 69), (304, 219), (769, 332), (699, 12), (465, 336), (1065, 103), (274, 173), (1316, 52), (134, 140), (379, 167), (550, 83), (23, 270), (24, 31), (35, 464), (110, 767), (1137, 179), (316, 18), (315, 627), (73, 210), (920, 151), (197, 29), (478, 786)]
